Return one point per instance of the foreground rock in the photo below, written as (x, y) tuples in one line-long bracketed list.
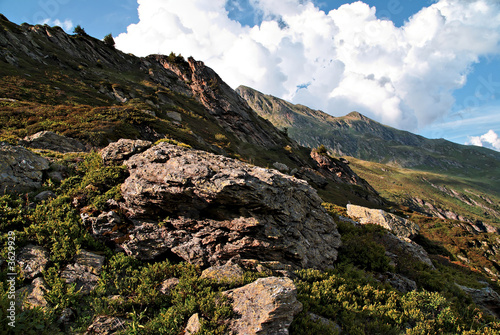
[(33, 295), (266, 306), (84, 272), (216, 208), (107, 325), (33, 260), (401, 227), (20, 169), (485, 297), (52, 141)]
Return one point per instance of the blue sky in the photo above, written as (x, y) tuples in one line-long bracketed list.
[(431, 67)]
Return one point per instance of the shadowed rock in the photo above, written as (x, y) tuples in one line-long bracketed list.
[(20, 169)]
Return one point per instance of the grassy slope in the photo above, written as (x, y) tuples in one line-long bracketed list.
[(448, 192)]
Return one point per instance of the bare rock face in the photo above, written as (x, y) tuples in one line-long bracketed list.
[(33, 294), (85, 271), (52, 141), (20, 169), (216, 208), (33, 260), (123, 149), (401, 227), (107, 325), (485, 297), (266, 306), (228, 272), (339, 171)]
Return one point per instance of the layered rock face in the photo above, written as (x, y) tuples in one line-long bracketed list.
[(20, 169), (213, 208), (52, 141), (401, 227)]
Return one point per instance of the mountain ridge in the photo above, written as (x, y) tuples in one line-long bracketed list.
[(358, 136)]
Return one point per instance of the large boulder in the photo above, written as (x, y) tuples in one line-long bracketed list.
[(266, 306), (52, 141), (123, 149), (212, 208), (401, 227), (20, 169)]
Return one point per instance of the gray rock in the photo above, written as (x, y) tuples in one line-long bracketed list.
[(105, 223), (399, 282), (193, 325), (121, 150), (486, 298), (218, 208), (44, 196), (107, 325), (33, 295), (52, 141), (84, 272), (228, 272), (403, 248), (20, 169), (67, 315), (281, 167), (32, 260), (401, 227), (175, 116), (168, 285), (325, 322), (266, 306)]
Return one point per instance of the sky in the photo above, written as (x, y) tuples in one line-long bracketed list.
[(430, 66)]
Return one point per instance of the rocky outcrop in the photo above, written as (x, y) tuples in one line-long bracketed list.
[(20, 169), (33, 295), (32, 260), (228, 272), (401, 227), (266, 306), (339, 171), (403, 250), (230, 110), (107, 325), (84, 272), (485, 297), (123, 149), (52, 141), (216, 208)]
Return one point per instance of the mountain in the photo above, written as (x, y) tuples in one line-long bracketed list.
[(357, 136), (83, 88), (145, 196), (438, 177)]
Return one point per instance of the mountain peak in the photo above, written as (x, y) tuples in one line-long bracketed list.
[(357, 116)]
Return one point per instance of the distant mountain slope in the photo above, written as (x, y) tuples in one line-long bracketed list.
[(358, 136)]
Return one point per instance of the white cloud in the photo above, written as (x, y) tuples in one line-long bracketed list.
[(66, 24), (339, 61), (488, 140)]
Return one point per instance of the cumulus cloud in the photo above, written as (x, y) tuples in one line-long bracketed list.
[(488, 140), (344, 60), (66, 24)]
